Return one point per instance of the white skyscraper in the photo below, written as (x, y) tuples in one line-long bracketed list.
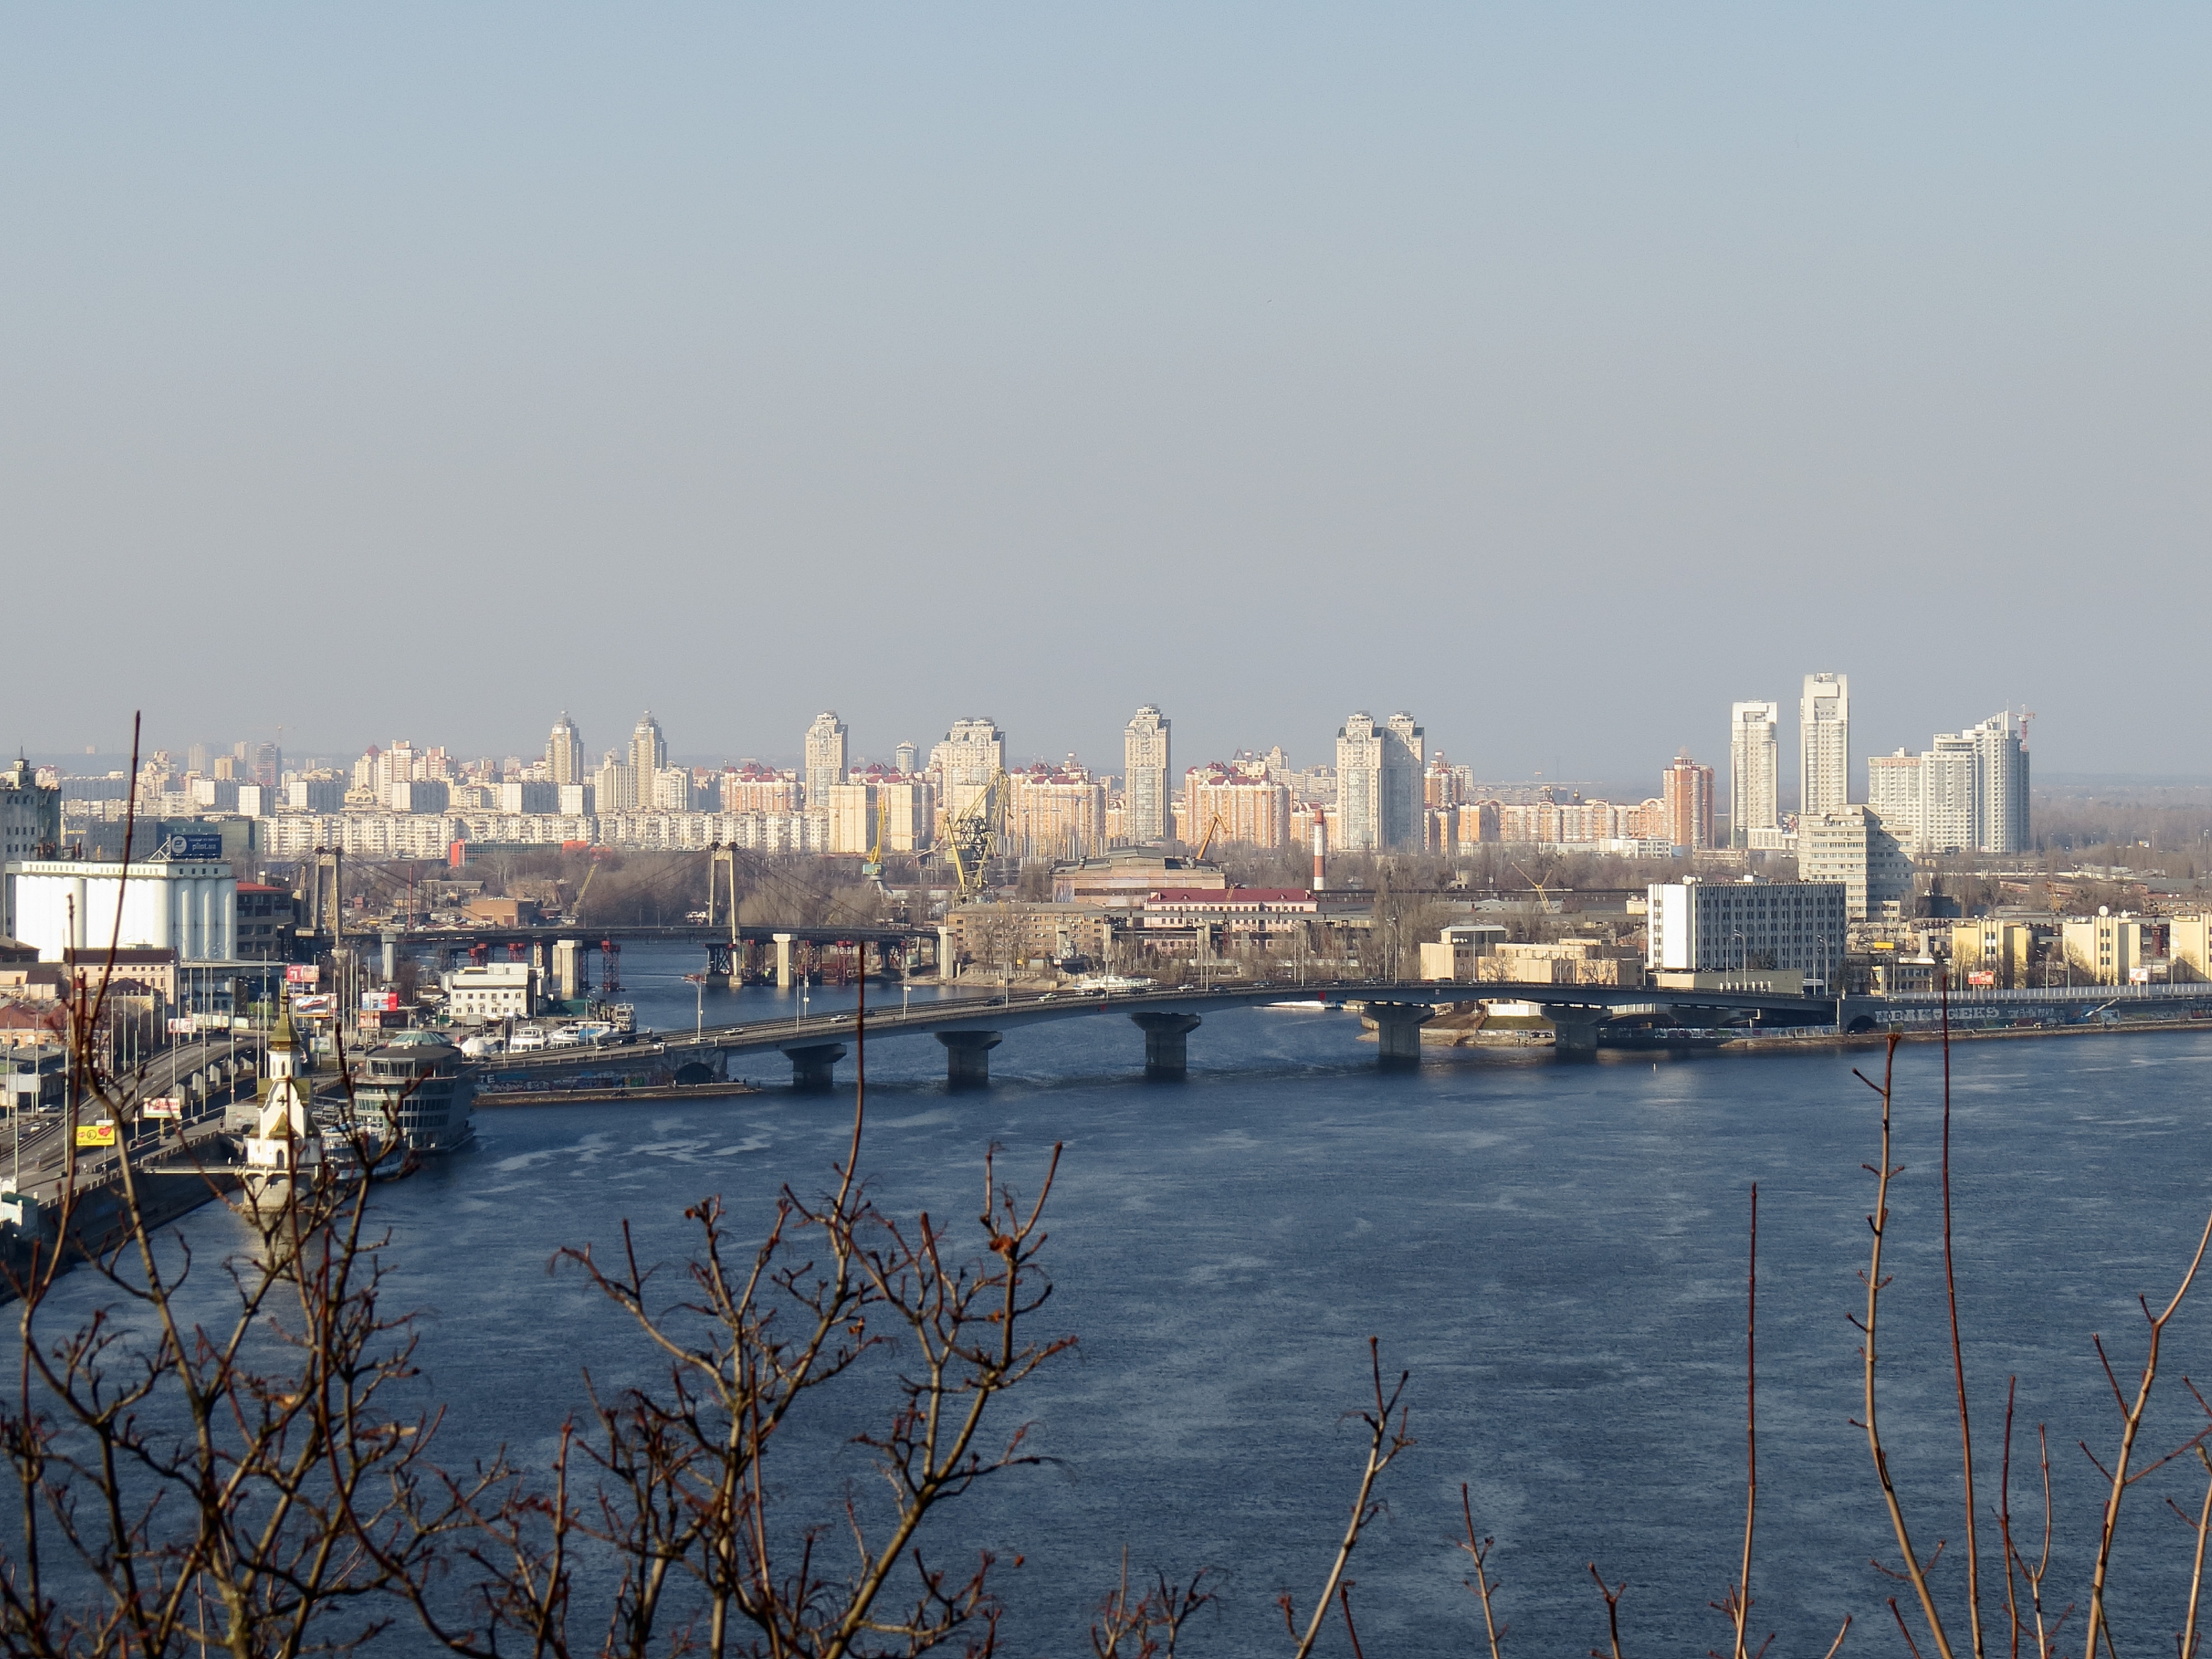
[(1947, 794), (825, 757), (2001, 824), (1823, 743), (1753, 802), (1146, 769)]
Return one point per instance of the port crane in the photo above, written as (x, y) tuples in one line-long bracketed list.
[(972, 836)]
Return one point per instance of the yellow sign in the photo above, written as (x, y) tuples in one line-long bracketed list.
[(96, 1134)]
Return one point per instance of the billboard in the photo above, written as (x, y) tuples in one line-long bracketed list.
[(96, 1134), (1982, 976), (303, 972), (312, 1007), (194, 847), (379, 1002), (163, 1106)]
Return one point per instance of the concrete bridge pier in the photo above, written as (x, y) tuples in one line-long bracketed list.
[(813, 1065), (968, 1057), (782, 961), (948, 960), (1575, 1030), (1167, 1052), (1398, 1030)]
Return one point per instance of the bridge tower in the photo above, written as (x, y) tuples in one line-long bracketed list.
[(722, 880), (325, 900)]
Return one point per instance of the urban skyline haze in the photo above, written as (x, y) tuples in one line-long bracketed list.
[(1563, 375)]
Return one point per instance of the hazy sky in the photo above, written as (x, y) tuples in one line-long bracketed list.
[(1558, 372)]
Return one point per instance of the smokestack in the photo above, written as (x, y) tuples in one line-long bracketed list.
[(1320, 853)]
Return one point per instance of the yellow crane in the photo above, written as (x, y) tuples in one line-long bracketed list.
[(1206, 840), (576, 910), (971, 837), (872, 866)]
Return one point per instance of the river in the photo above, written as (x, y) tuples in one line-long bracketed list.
[(1556, 1252)]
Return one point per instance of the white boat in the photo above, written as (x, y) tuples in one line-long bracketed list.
[(1306, 1005), (1110, 984), (527, 1041)]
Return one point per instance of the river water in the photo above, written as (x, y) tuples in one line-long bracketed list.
[(1556, 1252)]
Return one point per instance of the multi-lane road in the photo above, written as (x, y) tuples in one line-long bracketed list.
[(36, 1152)]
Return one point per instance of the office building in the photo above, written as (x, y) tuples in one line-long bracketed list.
[(1823, 743), (2106, 950), (30, 827), (825, 759), (1146, 767), (904, 759), (1704, 927), (973, 754), (564, 751), (487, 992), (1852, 847), (1753, 801), (1686, 795)]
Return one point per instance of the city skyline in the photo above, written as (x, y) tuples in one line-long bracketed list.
[(1746, 301)]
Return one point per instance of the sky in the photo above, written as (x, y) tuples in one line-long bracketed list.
[(1558, 372)]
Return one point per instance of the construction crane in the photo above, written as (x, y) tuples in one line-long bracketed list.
[(576, 910), (1206, 840), (971, 837), (1543, 904), (872, 866)]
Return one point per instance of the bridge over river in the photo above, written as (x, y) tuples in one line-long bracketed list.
[(969, 1028)]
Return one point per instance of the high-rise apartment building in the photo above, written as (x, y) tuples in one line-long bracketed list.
[(649, 751), (1823, 743), (825, 757), (904, 758), (1145, 764), (1893, 791), (1967, 792), (564, 751), (1851, 845), (1057, 813), (1754, 803), (1378, 784), (615, 785), (1947, 795), (1236, 807), (2000, 818), (1687, 791), (974, 752)]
